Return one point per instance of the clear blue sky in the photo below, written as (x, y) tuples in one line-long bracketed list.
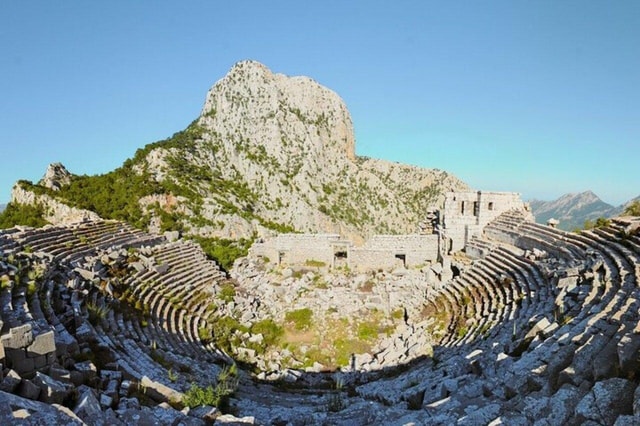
[(538, 97)]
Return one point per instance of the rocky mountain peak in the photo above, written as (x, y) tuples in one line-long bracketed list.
[(285, 115), (573, 209), (269, 153), (55, 177)]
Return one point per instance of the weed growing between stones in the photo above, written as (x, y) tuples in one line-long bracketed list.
[(97, 313), (218, 396)]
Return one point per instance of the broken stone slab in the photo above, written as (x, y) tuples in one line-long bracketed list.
[(159, 392), (138, 266), (43, 344), (105, 401), (34, 412), (111, 375), (606, 401), (112, 390), (161, 269), (627, 420), (128, 404), (87, 370), (51, 390), (18, 337), (86, 274), (480, 415), (85, 333), (29, 390), (538, 328), (10, 382), (88, 407), (204, 412), (17, 359), (124, 389), (231, 420), (628, 349)]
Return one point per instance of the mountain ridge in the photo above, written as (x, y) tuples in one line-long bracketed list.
[(268, 153), (574, 209)]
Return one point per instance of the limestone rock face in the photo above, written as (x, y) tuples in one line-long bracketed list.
[(55, 177), (290, 143), (56, 212), (297, 108), (268, 153)]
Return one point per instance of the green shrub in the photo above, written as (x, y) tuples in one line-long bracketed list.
[(224, 251), (397, 314), (224, 333), (217, 396), (97, 313), (22, 214), (315, 263), (301, 318), (367, 331), (32, 289), (600, 222), (227, 292), (344, 348), (271, 332), (633, 209), (204, 334), (5, 282)]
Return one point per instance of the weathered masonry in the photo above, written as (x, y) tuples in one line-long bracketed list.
[(381, 251), (464, 216)]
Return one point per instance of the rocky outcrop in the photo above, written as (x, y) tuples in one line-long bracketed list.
[(290, 143), (55, 177), (267, 153), (55, 211)]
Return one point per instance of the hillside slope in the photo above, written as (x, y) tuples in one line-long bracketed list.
[(268, 152)]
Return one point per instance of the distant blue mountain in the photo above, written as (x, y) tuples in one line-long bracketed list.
[(572, 210)]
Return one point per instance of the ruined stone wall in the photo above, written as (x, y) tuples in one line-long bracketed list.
[(466, 214), (381, 251), (391, 251), (296, 249)]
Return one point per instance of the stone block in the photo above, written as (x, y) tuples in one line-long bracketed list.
[(1, 352), (111, 375), (88, 407), (106, 401), (85, 333), (42, 344), (204, 412), (87, 275), (60, 374), (87, 369), (29, 390), (40, 362), (129, 404), (159, 392), (10, 382), (606, 401), (112, 390), (51, 391), (24, 366), (629, 353), (18, 337)]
